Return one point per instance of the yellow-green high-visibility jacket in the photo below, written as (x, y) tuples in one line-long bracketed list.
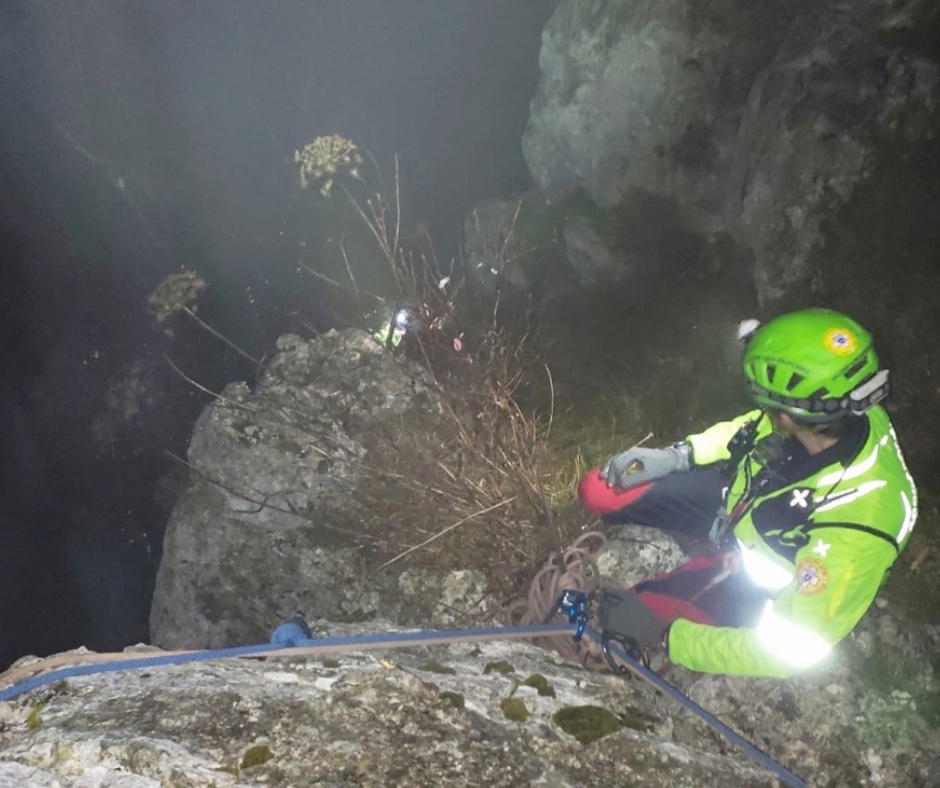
[(820, 546)]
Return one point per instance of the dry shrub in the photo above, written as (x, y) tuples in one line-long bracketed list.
[(465, 489)]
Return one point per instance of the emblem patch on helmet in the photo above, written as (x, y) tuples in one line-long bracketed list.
[(812, 577), (840, 341)]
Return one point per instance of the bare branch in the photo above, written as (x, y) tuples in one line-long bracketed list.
[(447, 530)]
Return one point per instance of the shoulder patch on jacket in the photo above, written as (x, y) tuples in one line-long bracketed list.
[(812, 577)]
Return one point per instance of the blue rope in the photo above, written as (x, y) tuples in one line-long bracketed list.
[(677, 695), (132, 664), (353, 642), (291, 636)]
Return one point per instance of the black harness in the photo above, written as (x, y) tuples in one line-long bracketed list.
[(787, 462)]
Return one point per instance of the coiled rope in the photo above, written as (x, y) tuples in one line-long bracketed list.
[(575, 569)]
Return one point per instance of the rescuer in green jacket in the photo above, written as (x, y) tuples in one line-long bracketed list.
[(814, 503)]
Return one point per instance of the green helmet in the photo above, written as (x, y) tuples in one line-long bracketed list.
[(816, 364)]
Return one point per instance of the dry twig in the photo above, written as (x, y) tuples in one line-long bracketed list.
[(446, 531)]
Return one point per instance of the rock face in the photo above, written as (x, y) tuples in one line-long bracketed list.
[(816, 120), (494, 713), (539, 246), (643, 96), (256, 537), (422, 718), (266, 527), (758, 120)]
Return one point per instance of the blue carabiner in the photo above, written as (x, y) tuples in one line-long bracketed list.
[(574, 604)]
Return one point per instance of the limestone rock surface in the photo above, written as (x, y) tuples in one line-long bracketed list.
[(838, 92), (265, 528), (644, 96), (492, 713), (761, 121)]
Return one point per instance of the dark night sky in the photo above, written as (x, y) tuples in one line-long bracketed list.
[(141, 135)]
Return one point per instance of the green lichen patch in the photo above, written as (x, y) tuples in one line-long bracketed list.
[(452, 699), (256, 756), (587, 723), (514, 709), (502, 667), (437, 667), (329, 662), (635, 721), (540, 683), (34, 720)]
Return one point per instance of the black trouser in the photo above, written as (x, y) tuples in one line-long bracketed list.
[(683, 503), (686, 504)]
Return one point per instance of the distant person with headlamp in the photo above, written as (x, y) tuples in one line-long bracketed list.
[(813, 499)]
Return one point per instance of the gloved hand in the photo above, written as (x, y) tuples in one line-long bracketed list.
[(623, 613), (638, 465)]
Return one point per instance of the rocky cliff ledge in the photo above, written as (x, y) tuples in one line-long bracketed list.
[(487, 714)]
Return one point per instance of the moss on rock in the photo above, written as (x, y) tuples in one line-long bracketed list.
[(514, 709), (587, 723), (256, 756), (540, 683), (34, 720), (437, 667), (501, 666)]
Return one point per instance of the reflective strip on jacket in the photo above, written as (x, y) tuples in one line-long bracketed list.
[(820, 547)]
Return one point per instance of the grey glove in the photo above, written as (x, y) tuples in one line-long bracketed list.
[(622, 613), (638, 466)]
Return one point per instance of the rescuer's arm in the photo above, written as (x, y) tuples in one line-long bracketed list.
[(711, 445), (838, 575)]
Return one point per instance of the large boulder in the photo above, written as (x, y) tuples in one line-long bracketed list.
[(277, 512), (838, 93), (261, 540), (759, 120), (647, 96)]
